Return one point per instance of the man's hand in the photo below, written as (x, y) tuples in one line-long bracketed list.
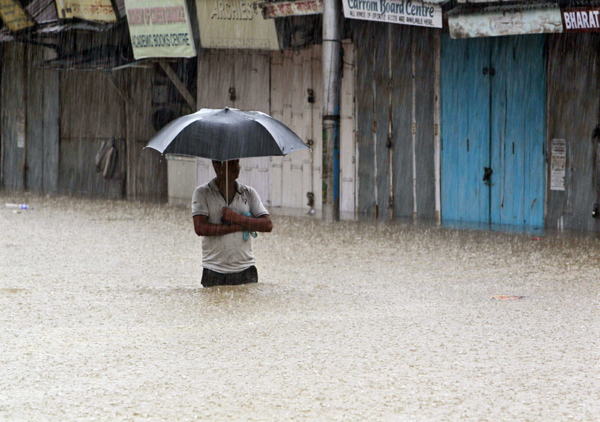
[(203, 228), (260, 224), (230, 215)]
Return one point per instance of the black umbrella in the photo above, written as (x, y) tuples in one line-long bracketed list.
[(226, 134)]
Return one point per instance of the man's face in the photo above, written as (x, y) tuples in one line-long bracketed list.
[(232, 167)]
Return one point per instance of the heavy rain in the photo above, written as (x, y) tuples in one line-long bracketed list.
[(104, 318), (431, 170)]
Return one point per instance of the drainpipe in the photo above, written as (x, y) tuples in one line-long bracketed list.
[(332, 45)]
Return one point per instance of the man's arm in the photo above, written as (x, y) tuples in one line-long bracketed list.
[(203, 228), (259, 224)]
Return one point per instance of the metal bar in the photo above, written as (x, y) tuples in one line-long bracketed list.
[(436, 126), (178, 83)]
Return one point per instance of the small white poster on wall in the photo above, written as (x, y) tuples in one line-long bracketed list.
[(558, 164)]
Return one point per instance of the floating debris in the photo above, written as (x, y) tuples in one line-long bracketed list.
[(19, 206), (504, 297)]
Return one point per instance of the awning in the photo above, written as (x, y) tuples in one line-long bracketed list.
[(495, 21), (43, 13)]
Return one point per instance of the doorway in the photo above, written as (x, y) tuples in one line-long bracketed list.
[(493, 118)]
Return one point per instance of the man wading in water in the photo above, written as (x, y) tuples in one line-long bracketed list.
[(226, 226)]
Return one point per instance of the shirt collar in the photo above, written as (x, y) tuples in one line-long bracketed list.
[(238, 186)]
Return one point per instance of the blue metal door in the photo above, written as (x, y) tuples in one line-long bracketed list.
[(493, 129), (465, 129), (518, 131)]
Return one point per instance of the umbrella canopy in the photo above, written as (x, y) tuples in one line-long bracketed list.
[(226, 134)]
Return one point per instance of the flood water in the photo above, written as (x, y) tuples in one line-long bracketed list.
[(103, 318)]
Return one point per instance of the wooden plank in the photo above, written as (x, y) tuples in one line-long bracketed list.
[(90, 106), (185, 93), (148, 167), (424, 42), (252, 86), (51, 121), (287, 194), (92, 111), (381, 77), (277, 97), (307, 124), (347, 133), (317, 125), (403, 96), (573, 116), (297, 100), (365, 116), (12, 115), (35, 115)]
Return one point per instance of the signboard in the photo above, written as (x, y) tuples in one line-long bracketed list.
[(504, 20), (581, 19), (292, 8), (160, 28), (235, 24), (394, 11), (89, 10), (558, 164), (13, 15), (483, 1)]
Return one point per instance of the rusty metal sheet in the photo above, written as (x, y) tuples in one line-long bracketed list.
[(504, 20), (292, 8), (90, 10), (42, 11)]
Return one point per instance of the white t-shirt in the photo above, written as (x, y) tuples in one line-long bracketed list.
[(229, 253)]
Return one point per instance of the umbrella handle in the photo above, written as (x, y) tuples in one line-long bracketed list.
[(227, 183)]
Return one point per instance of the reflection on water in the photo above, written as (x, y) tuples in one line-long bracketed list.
[(104, 318)]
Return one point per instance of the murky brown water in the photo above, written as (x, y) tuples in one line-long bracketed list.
[(103, 318)]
